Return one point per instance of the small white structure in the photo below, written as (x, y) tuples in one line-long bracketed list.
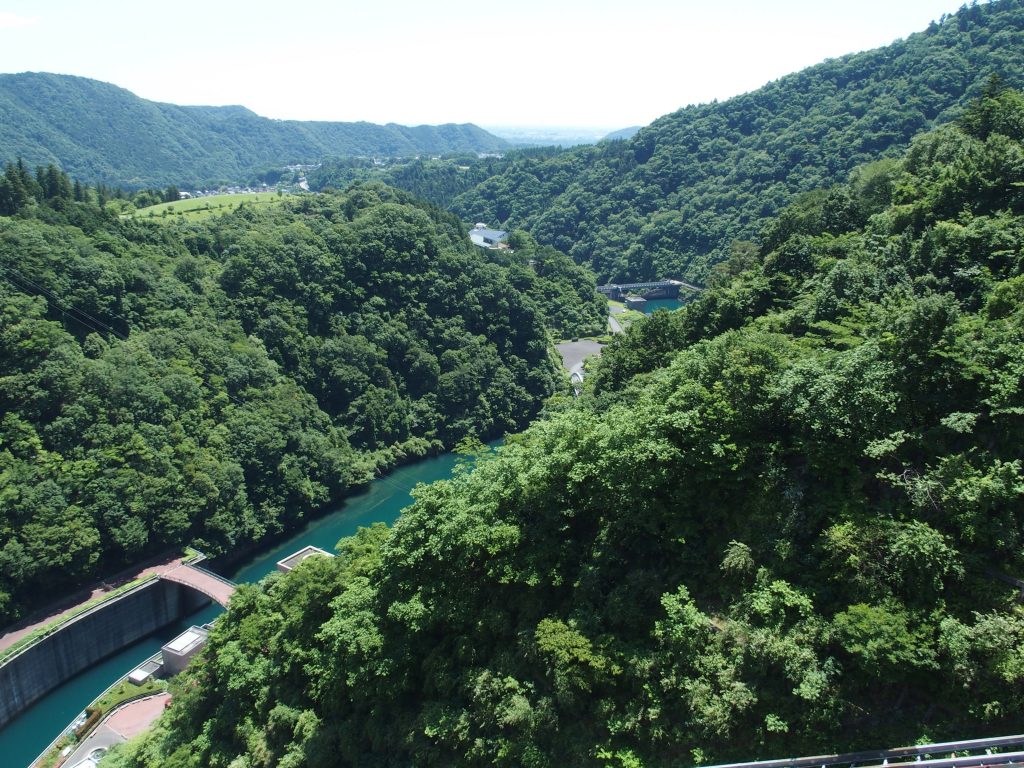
[(143, 672), (182, 648), (576, 381), (93, 759), (295, 558), (487, 238)]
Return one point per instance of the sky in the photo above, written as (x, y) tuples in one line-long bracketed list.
[(521, 62)]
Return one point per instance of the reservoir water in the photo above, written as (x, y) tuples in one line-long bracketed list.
[(654, 304), (26, 736)]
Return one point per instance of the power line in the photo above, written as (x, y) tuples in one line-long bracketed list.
[(83, 317), (92, 322)]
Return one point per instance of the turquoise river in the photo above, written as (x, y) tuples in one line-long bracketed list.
[(25, 737), (654, 304)]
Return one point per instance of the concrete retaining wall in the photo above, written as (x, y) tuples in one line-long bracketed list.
[(87, 639), (668, 292)]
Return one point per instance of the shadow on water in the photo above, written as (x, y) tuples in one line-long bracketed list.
[(26, 736)]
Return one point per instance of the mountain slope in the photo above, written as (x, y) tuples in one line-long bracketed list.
[(215, 381), (668, 201), (98, 132), (785, 540)]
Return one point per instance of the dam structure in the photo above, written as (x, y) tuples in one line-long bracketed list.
[(81, 641), (655, 289)]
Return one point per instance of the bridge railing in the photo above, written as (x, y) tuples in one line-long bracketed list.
[(611, 288), (212, 575), (193, 561)]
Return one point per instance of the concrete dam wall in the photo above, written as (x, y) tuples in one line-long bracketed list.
[(90, 637)]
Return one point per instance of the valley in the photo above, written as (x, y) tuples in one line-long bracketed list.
[(695, 445), (22, 740)]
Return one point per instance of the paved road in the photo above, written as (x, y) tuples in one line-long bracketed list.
[(616, 328), (101, 737), (575, 352), (123, 723)]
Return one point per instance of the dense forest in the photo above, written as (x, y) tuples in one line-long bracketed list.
[(211, 382), (775, 524), (100, 133), (668, 201)]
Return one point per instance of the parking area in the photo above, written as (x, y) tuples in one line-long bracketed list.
[(123, 723)]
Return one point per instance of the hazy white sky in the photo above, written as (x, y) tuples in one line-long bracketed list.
[(519, 62)]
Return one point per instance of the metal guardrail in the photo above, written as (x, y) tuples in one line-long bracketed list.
[(200, 557), (1005, 758), (609, 289), (910, 755), (213, 575)]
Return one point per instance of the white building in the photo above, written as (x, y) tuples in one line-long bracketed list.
[(177, 653), (486, 238)]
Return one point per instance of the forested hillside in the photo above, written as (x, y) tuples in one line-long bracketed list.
[(212, 382), (668, 201), (438, 181), (100, 133), (773, 527)]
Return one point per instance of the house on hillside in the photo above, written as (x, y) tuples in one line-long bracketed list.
[(487, 238)]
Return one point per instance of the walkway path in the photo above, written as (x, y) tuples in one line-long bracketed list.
[(123, 723), (136, 716), (215, 588), (614, 324), (72, 604)]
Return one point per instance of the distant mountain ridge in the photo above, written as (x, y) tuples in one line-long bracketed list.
[(623, 133), (671, 199), (99, 132)]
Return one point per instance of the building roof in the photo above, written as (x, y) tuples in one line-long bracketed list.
[(297, 557), (142, 672), (489, 234), (186, 641)]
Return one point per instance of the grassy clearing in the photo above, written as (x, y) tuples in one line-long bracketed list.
[(628, 317), (126, 691), (203, 207), (625, 317)]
